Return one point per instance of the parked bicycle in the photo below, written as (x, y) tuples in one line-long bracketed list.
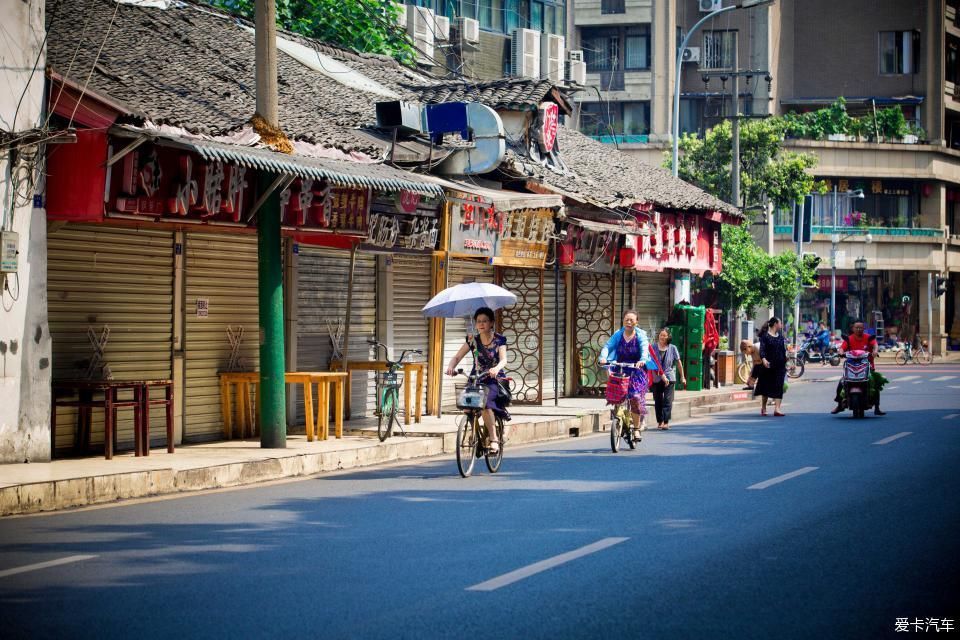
[(388, 392), (617, 392), (907, 353), (795, 363), (472, 438)]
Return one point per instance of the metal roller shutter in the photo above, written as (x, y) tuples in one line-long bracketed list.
[(652, 300), (122, 279), (323, 278), (221, 269), (550, 303), (460, 271), (411, 291)]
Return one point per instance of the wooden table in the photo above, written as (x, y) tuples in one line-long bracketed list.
[(381, 365), (111, 402), (329, 383)]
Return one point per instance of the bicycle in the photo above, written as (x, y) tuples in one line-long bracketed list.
[(744, 368), (621, 422), (388, 394), (795, 363), (471, 433), (907, 354)]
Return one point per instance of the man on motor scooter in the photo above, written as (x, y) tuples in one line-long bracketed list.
[(859, 340), (823, 342)]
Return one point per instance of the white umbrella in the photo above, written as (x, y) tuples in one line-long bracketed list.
[(463, 300)]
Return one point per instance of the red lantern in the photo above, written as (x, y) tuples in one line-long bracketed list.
[(628, 257), (926, 189), (566, 255)]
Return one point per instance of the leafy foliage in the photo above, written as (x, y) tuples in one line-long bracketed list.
[(888, 122), (751, 278), (766, 171), (363, 25)]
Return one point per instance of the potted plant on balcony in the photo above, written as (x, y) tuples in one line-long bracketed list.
[(892, 124), (835, 120), (860, 128)]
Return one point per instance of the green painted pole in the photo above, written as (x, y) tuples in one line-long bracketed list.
[(272, 389)]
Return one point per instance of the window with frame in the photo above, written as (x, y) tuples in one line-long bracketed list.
[(610, 7), (899, 52), (490, 14), (601, 49), (636, 118), (636, 53), (691, 115), (511, 15), (600, 118), (536, 16), (719, 48)]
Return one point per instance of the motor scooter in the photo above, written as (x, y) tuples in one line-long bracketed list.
[(810, 351), (856, 382)]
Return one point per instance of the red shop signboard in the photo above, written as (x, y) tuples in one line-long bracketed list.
[(678, 241)]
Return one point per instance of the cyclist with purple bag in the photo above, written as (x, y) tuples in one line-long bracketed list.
[(629, 345)]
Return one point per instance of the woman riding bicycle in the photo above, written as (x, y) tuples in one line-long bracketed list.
[(630, 345), (490, 357)]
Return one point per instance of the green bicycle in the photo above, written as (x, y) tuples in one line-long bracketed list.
[(388, 395)]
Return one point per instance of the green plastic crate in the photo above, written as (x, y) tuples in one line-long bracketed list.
[(694, 383), (678, 337), (693, 335), (694, 350)]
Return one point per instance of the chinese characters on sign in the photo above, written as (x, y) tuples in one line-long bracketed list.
[(475, 226), (525, 238), (924, 625), (549, 123)]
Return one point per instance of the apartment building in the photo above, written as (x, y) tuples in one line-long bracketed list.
[(900, 191)]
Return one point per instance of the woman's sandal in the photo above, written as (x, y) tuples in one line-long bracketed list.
[(778, 414), (763, 412)]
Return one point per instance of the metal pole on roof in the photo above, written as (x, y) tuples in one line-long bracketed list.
[(272, 390)]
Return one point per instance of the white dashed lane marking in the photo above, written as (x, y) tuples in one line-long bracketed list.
[(904, 434), (942, 378), (43, 565), (783, 478)]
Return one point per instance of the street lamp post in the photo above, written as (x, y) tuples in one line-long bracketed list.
[(861, 265), (835, 240), (743, 4)]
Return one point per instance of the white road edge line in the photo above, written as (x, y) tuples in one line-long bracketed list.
[(543, 565), (43, 565), (942, 378), (905, 378), (783, 478), (902, 434), (951, 416), (892, 388)]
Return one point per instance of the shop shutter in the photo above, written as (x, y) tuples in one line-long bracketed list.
[(220, 269), (522, 326), (122, 279), (652, 301), (323, 279), (594, 322), (411, 291), (550, 303), (459, 271)]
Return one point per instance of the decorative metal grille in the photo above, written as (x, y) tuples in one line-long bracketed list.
[(593, 315), (522, 325)]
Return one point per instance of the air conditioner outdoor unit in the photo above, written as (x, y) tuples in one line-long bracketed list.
[(691, 54), (577, 71), (525, 53), (420, 27), (551, 57), (709, 6), (576, 55), (469, 30), (441, 30)]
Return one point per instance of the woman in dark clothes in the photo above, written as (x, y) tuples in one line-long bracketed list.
[(489, 356), (773, 356)]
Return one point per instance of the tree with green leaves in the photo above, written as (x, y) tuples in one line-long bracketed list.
[(751, 278), (369, 26)]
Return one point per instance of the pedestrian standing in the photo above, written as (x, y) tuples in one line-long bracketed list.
[(664, 384), (773, 356)]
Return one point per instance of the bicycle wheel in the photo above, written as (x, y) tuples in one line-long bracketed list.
[(494, 460), (925, 357), (796, 369), (467, 445), (743, 372), (615, 428), (900, 358), (388, 413), (629, 432)]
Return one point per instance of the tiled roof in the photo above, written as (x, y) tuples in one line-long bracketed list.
[(505, 93), (193, 66), (603, 175)]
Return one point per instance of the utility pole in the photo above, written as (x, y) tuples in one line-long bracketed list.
[(930, 311), (796, 301), (272, 389), (735, 164)]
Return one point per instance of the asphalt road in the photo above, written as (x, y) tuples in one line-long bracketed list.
[(732, 526)]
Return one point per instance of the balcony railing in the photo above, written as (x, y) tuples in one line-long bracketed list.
[(916, 232), (623, 138)]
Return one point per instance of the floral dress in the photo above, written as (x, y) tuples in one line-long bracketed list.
[(629, 351), (485, 357)]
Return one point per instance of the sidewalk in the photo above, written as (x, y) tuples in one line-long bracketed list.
[(61, 484)]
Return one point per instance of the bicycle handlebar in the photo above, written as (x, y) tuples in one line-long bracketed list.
[(403, 354)]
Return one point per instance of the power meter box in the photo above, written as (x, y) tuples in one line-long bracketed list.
[(9, 241)]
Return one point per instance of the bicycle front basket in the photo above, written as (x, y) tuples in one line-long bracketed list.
[(389, 379), (472, 397), (617, 388)]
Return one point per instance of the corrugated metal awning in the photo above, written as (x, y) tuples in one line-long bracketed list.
[(337, 172), (502, 199), (593, 225)]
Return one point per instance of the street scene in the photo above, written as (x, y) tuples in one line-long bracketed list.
[(534, 318)]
